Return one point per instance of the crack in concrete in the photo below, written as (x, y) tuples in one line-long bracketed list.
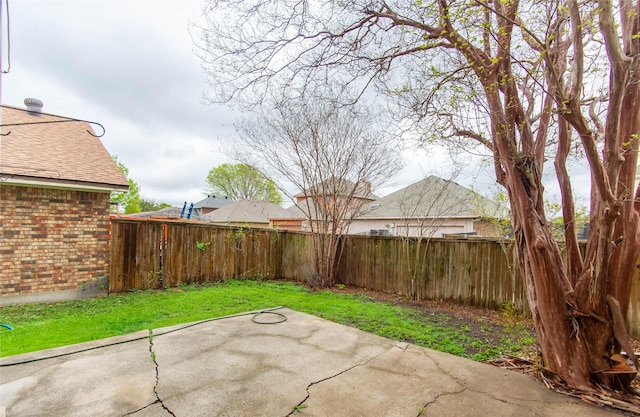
[(155, 387), (515, 404), (437, 397), (402, 346), (465, 388), (299, 406), (140, 409)]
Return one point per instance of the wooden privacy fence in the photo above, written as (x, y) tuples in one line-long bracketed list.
[(153, 253), (471, 272), (480, 272)]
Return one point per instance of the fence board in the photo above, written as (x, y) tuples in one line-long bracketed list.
[(135, 255)]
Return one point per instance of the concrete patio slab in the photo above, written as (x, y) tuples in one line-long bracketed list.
[(275, 363)]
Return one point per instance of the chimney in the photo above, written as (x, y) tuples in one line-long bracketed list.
[(34, 105)]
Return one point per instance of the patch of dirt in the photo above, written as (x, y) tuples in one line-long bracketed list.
[(495, 326)]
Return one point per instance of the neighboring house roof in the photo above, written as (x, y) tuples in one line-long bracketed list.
[(306, 209), (168, 212), (291, 212), (343, 187), (41, 149), (212, 201), (246, 211), (432, 197), (299, 210)]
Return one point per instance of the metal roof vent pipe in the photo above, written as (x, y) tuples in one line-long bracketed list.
[(33, 105)]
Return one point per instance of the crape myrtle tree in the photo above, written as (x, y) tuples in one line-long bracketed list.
[(334, 154), (512, 76)]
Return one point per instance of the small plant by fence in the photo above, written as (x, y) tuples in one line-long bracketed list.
[(479, 272)]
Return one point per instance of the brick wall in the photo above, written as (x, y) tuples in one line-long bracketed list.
[(50, 239), (486, 228)]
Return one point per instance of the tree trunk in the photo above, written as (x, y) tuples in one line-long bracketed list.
[(626, 233), (574, 257), (591, 292), (547, 287)]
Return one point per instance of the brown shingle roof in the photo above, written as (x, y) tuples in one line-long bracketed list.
[(59, 152)]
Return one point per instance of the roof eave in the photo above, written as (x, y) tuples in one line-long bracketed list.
[(392, 217), (21, 181)]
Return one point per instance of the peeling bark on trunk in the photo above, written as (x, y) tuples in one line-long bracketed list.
[(626, 233), (574, 258), (543, 270)]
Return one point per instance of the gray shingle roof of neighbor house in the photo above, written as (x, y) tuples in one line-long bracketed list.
[(213, 201), (432, 197), (343, 187), (41, 149), (168, 212), (246, 211)]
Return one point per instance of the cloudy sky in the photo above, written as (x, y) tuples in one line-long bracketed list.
[(130, 66)]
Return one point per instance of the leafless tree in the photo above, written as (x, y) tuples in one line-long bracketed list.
[(335, 155), (428, 209), (511, 76)]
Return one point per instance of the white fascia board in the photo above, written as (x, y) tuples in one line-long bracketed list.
[(57, 185)]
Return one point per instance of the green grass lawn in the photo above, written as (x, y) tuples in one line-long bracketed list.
[(42, 326)]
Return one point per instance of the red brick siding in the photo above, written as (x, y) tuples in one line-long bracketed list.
[(51, 239)]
